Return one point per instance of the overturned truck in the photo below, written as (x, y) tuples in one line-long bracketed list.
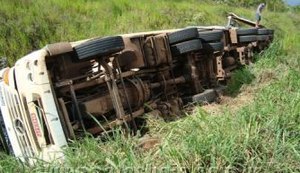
[(67, 89)]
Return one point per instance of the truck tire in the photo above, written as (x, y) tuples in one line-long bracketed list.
[(247, 38), (186, 47), (99, 47), (207, 96), (249, 31), (211, 36), (213, 47), (262, 31), (271, 31), (262, 37), (182, 35)]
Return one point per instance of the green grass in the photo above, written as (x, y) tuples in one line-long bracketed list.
[(262, 136), (25, 27), (239, 78)]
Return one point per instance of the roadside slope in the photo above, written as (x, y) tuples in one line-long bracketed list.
[(259, 135)]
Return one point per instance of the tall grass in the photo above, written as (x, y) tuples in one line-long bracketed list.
[(31, 24), (262, 136)]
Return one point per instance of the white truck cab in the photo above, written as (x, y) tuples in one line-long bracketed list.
[(31, 125)]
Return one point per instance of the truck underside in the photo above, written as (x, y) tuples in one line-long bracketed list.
[(100, 83), (144, 73)]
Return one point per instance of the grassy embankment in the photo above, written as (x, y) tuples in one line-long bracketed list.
[(262, 134)]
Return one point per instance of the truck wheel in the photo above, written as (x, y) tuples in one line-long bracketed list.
[(250, 31), (262, 37), (262, 31), (213, 47), (206, 96), (99, 47), (247, 38), (271, 31), (186, 47), (182, 35), (211, 36)]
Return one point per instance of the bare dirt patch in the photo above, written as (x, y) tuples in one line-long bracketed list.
[(230, 103), (148, 142)]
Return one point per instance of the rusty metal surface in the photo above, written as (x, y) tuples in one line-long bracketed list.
[(233, 36), (143, 77), (243, 20)]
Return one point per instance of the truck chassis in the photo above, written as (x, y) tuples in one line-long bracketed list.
[(67, 89)]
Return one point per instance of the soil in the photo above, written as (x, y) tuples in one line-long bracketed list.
[(230, 103)]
